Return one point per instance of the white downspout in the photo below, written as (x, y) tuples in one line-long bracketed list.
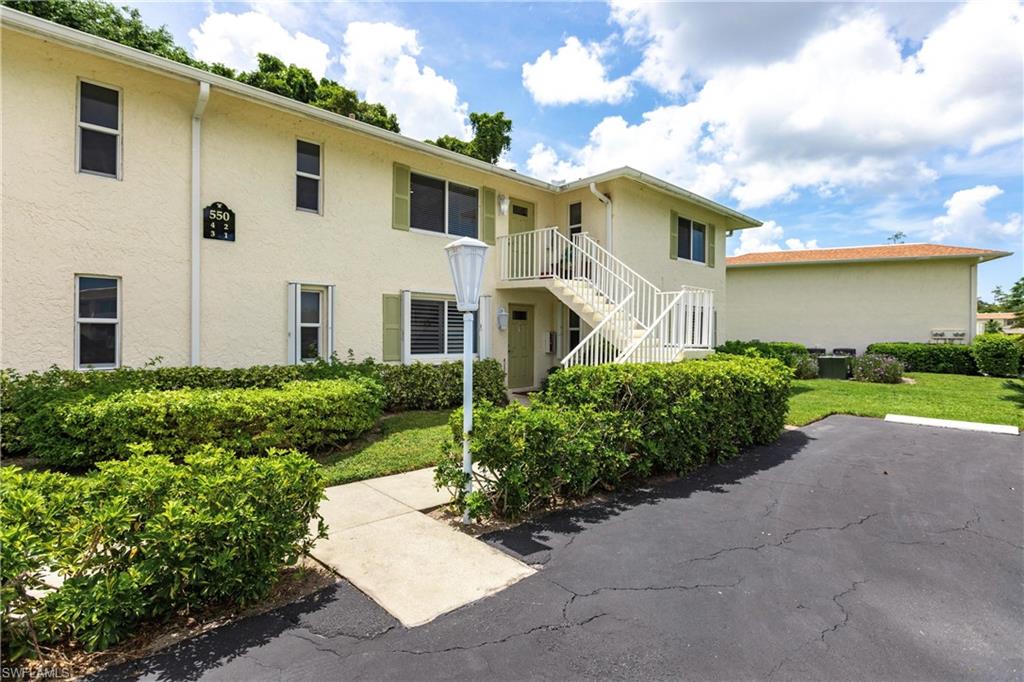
[(607, 201), (197, 221)]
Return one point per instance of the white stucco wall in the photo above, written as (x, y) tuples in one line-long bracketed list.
[(851, 305)]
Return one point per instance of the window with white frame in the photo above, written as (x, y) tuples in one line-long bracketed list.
[(436, 327), (574, 330), (99, 130), (575, 218), (97, 322), (308, 174), (437, 205), (692, 239), (310, 322)]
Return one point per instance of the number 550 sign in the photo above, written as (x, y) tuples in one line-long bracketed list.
[(219, 222)]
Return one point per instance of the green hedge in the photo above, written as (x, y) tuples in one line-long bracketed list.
[(145, 538), (599, 425), (306, 415), (929, 357), (997, 355), (787, 352), (409, 387)]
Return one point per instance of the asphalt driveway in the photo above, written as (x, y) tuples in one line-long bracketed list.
[(851, 549)]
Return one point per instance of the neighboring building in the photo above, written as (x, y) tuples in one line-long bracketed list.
[(1004, 320), (118, 164), (854, 296)]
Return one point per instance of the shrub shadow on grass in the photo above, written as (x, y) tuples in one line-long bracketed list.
[(336, 611), (1015, 391), (533, 541)]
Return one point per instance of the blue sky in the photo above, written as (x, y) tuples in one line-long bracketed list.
[(835, 124)]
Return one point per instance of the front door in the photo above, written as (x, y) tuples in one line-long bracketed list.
[(520, 346), (522, 258)]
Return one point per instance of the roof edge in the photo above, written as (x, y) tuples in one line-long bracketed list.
[(981, 258), (32, 25)]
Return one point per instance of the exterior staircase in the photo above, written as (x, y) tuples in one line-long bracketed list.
[(631, 320)]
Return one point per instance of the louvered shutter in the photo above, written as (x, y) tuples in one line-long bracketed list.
[(673, 235), (392, 349), (400, 208), (487, 215)]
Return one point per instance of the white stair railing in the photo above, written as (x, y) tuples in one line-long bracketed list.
[(596, 348), (634, 320)]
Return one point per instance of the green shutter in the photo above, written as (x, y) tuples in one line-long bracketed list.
[(487, 215), (673, 235), (711, 238), (392, 327), (400, 215)]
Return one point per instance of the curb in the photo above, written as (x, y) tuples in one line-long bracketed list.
[(953, 424)]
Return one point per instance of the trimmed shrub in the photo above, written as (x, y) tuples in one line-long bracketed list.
[(409, 387), (595, 426), (145, 538), (305, 415), (877, 369), (942, 358), (997, 355), (531, 456), (787, 352)]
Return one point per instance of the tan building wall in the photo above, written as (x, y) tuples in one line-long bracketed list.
[(851, 305), (58, 222)]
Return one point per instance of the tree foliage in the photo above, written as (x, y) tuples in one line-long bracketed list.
[(124, 25), (491, 137)]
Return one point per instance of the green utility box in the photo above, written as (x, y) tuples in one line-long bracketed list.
[(832, 366)]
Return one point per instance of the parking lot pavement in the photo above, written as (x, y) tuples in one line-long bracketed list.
[(851, 549)]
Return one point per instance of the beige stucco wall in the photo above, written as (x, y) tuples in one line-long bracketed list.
[(641, 222), (851, 305), (58, 223)]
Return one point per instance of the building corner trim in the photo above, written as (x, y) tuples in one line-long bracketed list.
[(197, 223)]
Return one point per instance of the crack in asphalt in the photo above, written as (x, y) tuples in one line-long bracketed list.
[(785, 539), (846, 614), (966, 528)]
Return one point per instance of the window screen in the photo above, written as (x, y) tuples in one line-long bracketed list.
[(683, 250), (575, 214), (698, 239), (97, 321), (98, 129), (307, 178), (426, 210), (463, 203), (426, 333)]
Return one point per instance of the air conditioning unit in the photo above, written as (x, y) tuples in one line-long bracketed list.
[(948, 336)]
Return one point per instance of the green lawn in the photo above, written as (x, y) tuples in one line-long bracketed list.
[(942, 396), (406, 441)]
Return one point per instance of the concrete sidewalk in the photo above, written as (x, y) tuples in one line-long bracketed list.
[(415, 567)]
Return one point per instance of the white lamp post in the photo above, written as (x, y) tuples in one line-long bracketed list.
[(466, 260)]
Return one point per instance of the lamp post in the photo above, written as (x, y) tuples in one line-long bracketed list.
[(466, 258)]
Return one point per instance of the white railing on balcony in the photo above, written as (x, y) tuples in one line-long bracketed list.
[(633, 320)]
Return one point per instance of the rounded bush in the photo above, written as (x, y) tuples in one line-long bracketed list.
[(997, 355), (146, 538), (877, 369)]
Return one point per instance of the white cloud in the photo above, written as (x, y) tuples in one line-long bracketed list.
[(575, 73), (848, 109), (769, 237), (235, 40), (966, 219), (380, 62)]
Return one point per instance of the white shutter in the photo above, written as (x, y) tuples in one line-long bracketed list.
[(330, 321), (483, 320), (294, 305)]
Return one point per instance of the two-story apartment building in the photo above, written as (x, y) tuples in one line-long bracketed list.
[(151, 209)]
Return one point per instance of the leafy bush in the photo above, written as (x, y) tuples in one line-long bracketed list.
[(306, 415), (806, 368), (997, 355), (941, 358), (599, 425), (144, 538), (788, 352), (877, 369), (410, 387)]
